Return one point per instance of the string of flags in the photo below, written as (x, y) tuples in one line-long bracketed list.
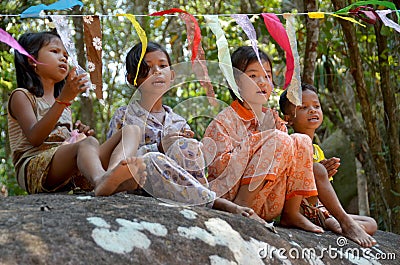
[(285, 37)]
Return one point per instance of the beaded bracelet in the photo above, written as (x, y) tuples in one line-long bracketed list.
[(66, 104)]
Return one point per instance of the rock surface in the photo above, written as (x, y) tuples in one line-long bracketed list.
[(130, 229)]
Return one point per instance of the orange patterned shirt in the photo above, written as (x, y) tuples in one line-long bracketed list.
[(239, 154)]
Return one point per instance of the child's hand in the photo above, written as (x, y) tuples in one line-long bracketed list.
[(270, 120), (331, 165), (82, 128), (74, 85), (168, 139), (187, 133)]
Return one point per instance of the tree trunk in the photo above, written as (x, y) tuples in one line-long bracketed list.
[(374, 139), (391, 108), (391, 123), (312, 26), (350, 124), (86, 114)]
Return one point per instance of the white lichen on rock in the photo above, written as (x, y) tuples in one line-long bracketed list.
[(127, 237), (189, 214), (221, 233)]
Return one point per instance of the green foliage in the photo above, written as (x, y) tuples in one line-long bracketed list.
[(7, 177), (119, 36)]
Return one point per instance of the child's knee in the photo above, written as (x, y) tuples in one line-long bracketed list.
[(320, 172), (190, 148), (371, 226), (90, 140)]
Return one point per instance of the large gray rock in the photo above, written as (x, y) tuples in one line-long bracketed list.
[(345, 180), (129, 229)]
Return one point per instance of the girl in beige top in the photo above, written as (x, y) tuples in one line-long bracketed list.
[(40, 122)]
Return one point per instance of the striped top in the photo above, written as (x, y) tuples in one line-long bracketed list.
[(21, 149)]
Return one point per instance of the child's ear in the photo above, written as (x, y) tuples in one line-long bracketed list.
[(129, 79), (172, 75), (288, 119), (32, 63)]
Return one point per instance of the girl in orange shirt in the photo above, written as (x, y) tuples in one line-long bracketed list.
[(256, 163)]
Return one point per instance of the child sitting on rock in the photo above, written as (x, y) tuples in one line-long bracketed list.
[(306, 119)]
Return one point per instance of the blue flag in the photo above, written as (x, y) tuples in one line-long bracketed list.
[(34, 11)]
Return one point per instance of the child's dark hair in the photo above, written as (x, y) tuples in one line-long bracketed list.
[(284, 102), (133, 56), (26, 75), (242, 57)]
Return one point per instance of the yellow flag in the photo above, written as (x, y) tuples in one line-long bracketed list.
[(348, 19), (159, 21), (316, 14), (142, 36)]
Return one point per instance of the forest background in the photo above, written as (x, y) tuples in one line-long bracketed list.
[(356, 70)]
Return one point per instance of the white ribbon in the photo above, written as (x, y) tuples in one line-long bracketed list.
[(224, 57), (61, 24), (388, 22), (244, 21), (294, 89)]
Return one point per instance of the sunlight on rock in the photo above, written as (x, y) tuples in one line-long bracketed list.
[(168, 204), (217, 260), (33, 244)]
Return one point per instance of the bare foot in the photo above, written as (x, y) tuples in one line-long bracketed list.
[(299, 221), (128, 174), (353, 231), (333, 225)]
